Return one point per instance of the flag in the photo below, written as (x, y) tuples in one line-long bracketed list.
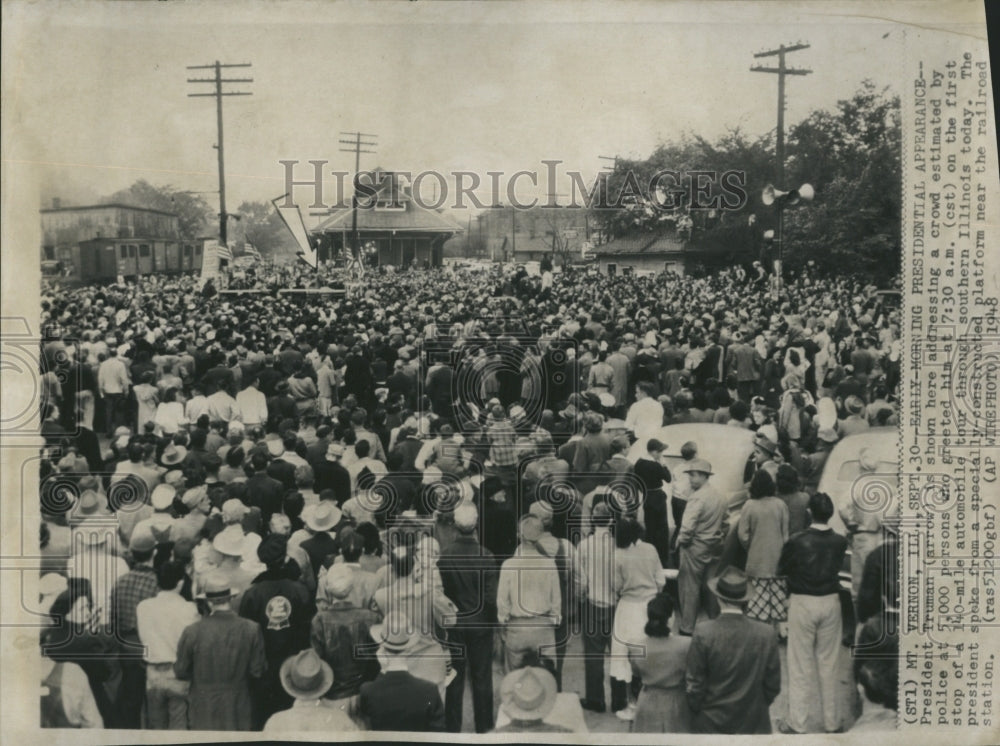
[(251, 250), (297, 227), (224, 252), (355, 266)]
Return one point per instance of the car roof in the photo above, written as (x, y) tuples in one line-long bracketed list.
[(724, 446)]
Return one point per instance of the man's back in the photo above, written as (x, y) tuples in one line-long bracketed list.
[(398, 700), (733, 675)]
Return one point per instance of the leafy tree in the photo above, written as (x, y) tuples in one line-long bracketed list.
[(261, 225), (194, 213), (851, 155)]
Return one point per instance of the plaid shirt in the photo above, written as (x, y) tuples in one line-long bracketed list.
[(135, 586), (503, 443)]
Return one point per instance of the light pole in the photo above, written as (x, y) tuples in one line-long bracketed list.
[(781, 200)]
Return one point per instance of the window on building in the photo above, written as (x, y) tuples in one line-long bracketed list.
[(612, 270), (50, 253), (187, 249), (144, 251), (131, 251), (123, 251)]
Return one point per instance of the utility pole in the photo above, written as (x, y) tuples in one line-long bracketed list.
[(218, 93), (606, 170), (356, 146), (781, 71)]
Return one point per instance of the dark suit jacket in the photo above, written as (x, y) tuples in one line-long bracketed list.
[(398, 700), (733, 675)]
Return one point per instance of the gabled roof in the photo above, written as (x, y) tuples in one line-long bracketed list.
[(643, 243), (411, 217)]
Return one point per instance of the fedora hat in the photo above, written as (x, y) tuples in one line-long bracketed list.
[(88, 505), (528, 693), (322, 516), (700, 465), (306, 675), (394, 633), (731, 585), (217, 586)]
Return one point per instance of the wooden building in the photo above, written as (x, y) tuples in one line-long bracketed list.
[(101, 242), (644, 253), (395, 229)]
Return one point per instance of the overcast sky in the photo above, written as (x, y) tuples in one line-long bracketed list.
[(103, 97)]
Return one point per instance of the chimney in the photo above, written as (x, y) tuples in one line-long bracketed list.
[(56, 203)]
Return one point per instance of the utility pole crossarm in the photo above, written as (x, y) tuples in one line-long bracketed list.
[(217, 80), (780, 71), (790, 48)]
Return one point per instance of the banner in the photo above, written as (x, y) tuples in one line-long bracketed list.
[(297, 227)]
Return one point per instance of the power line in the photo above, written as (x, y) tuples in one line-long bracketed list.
[(356, 147), (218, 93)]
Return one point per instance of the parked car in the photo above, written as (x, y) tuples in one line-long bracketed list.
[(863, 467), (726, 448)]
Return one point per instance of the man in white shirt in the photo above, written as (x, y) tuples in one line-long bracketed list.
[(160, 621), (645, 417), (252, 404), (222, 407), (197, 405), (113, 383)]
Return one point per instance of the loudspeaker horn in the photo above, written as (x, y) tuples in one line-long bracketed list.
[(770, 195)]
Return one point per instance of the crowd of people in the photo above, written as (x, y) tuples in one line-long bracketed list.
[(325, 512)]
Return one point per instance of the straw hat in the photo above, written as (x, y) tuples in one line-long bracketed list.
[(322, 516), (528, 693)]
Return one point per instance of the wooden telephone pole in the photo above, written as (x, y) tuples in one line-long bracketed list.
[(356, 146), (781, 71), (218, 93)]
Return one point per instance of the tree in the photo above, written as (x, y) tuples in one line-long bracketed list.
[(261, 225), (193, 212), (851, 156)]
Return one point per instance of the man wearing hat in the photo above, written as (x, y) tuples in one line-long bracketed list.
[(733, 665), (132, 588), (397, 700), (469, 575), (321, 521), (280, 604), (699, 541), (220, 654), (331, 474), (306, 678), (160, 522), (199, 505), (856, 420), (527, 696)]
